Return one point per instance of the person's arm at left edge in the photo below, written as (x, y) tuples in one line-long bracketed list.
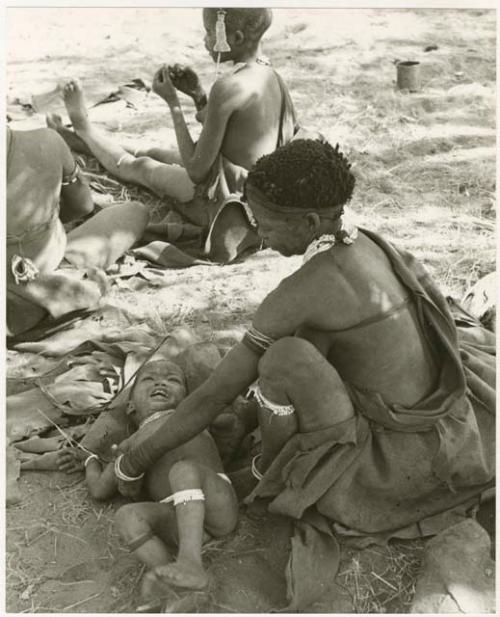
[(225, 97), (76, 197)]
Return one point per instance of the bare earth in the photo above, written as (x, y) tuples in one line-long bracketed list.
[(425, 166)]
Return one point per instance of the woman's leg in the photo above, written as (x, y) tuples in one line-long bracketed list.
[(164, 180), (300, 391), (102, 239)]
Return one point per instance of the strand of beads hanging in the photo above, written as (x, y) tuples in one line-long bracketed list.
[(23, 269)]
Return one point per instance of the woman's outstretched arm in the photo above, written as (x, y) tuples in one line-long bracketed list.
[(235, 372)]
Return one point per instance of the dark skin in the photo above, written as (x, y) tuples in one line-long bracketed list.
[(194, 465), (102, 482), (360, 285), (186, 80), (241, 118)]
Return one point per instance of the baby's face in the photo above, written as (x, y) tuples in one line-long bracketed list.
[(159, 385)]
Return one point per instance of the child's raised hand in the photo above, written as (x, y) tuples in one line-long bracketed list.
[(163, 86), (184, 79), (70, 460)]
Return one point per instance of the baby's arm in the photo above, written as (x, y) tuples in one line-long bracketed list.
[(101, 482)]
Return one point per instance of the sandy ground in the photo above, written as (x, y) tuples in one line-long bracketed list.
[(425, 167)]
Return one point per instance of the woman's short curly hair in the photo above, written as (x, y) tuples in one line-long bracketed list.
[(304, 174)]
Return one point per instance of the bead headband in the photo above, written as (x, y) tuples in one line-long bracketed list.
[(332, 212)]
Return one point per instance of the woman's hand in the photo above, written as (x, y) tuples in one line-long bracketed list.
[(163, 86)]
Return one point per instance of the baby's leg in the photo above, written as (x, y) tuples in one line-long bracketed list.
[(202, 499), (146, 528)]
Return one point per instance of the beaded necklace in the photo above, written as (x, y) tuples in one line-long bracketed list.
[(155, 416), (346, 235)]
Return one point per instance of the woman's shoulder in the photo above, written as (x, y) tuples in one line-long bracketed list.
[(299, 296)]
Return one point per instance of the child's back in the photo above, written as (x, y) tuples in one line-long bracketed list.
[(264, 117)]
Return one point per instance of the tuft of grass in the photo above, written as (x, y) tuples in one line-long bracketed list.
[(383, 580)]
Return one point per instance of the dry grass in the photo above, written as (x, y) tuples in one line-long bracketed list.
[(382, 580), (425, 165), (104, 185)]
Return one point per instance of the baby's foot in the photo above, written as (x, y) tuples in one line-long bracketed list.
[(75, 104), (182, 573)]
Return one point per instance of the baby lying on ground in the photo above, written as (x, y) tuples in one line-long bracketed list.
[(191, 498)]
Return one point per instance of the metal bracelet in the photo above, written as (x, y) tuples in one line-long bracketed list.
[(121, 476), (89, 458)]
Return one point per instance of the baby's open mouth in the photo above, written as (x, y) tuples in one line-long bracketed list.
[(159, 392)]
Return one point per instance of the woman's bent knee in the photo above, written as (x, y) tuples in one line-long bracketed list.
[(287, 355)]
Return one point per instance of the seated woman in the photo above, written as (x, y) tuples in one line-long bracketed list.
[(375, 408), (45, 189)]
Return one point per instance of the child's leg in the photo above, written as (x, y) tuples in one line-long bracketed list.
[(202, 499), (102, 239), (145, 528), (162, 179), (169, 156)]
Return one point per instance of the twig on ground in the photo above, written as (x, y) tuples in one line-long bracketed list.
[(66, 608)]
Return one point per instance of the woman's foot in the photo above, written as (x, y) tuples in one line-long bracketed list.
[(75, 105)]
